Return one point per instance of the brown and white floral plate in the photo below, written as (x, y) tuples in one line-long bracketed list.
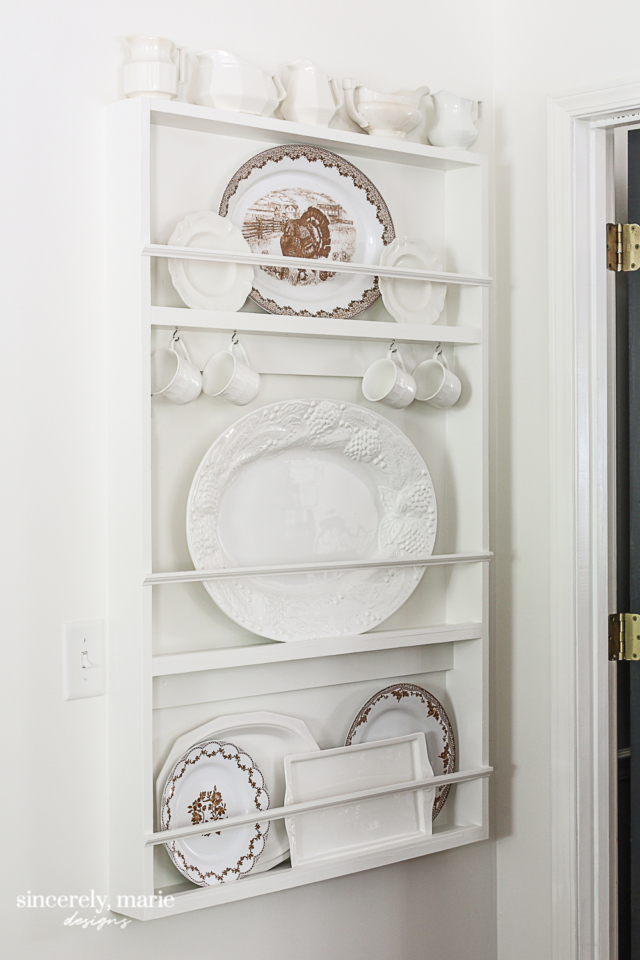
[(268, 738), (302, 201), (214, 780), (405, 708)]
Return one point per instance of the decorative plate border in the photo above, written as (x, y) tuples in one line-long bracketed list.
[(408, 527), (294, 151), (434, 709), (213, 748)]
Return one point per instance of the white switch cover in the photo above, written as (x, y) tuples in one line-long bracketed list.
[(83, 663)]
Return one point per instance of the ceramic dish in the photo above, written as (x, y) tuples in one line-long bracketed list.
[(311, 480), (302, 201), (268, 738), (412, 301), (352, 829), (214, 780), (407, 708), (204, 284)]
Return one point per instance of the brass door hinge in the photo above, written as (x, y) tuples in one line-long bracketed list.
[(624, 636), (623, 246)]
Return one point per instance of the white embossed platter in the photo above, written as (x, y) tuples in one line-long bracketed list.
[(268, 738), (405, 708), (204, 284), (308, 480), (302, 201), (214, 780), (412, 301)]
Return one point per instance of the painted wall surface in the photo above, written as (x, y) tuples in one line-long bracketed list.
[(541, 50), (60, 67)]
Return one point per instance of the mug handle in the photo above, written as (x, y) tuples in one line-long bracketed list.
[(440, 357), (181, 63), (395, 355), (178, 342), (241, 350), (279, 87)]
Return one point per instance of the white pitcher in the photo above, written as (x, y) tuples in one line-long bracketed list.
[(312, 96), (229, 83), (454, 123), (156, 69)]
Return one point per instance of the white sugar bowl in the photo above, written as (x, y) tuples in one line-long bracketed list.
[(228, 83)]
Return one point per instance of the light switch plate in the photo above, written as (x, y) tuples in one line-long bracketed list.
[(83, 660)]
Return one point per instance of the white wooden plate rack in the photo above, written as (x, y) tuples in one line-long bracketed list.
[(175, 660)]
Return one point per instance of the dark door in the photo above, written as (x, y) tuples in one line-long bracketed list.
[(628, 497)]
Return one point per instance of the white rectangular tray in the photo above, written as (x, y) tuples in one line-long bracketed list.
[(367, 825)]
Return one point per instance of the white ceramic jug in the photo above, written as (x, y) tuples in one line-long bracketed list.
[(156, 69), (312, 96), (228, 83), (454, 122), (383, 114)]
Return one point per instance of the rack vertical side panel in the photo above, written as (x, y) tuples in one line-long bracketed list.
[(129, 535), (467, 211)]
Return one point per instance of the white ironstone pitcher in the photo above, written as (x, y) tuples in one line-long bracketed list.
[(312, 96)]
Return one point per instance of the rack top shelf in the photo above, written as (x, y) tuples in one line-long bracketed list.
[(188, 116)]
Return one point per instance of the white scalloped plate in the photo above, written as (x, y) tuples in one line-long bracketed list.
[(412, 301), (205, 284), (311, 480), (268, 738)]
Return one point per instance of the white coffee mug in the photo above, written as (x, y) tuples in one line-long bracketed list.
[(229, 378), (388, 381), (173, 375), (435, 383)]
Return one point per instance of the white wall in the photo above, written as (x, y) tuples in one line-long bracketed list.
[(60, 67), (550, 48)]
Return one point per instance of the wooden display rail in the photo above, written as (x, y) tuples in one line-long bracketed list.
[(331, 266), (232, 573), (325, 803)]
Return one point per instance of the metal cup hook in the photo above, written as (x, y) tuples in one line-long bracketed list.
[(234, 339)]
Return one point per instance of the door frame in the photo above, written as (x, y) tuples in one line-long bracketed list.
[(582, 518)]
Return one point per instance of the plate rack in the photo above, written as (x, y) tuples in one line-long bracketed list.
[(174, 659)]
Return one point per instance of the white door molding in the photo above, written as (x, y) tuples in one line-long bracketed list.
[(581, 559)]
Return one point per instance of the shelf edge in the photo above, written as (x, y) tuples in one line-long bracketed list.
[(272, 324), (274, 652)]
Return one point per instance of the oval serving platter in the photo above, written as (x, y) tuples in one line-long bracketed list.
[(303, 201), (308, 480)]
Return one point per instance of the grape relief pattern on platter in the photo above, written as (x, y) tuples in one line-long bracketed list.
[(338, 603), (205, 809)]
